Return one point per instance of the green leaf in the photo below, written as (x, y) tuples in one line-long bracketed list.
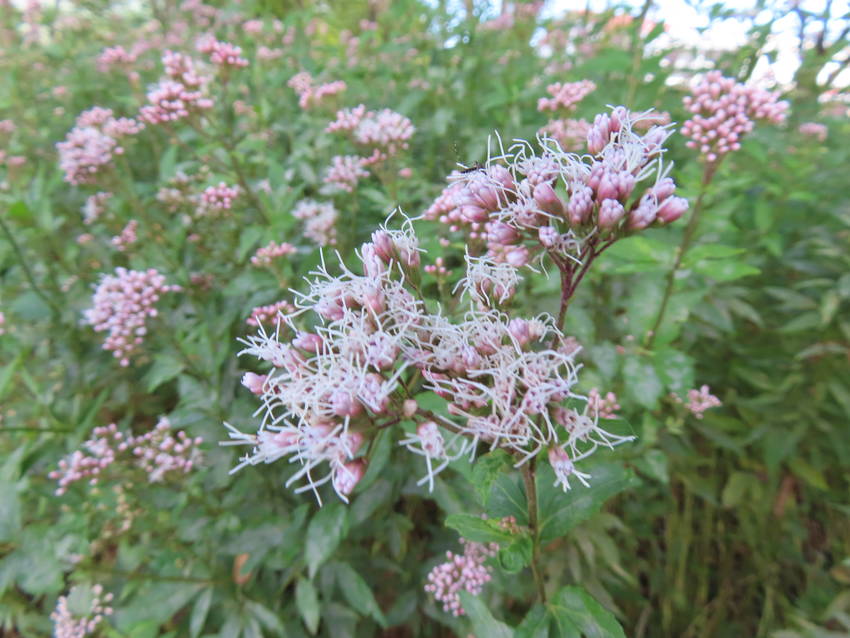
[(725, 270), (358, 593), (483, 623), (324, 534), (164, 368), (706, 252), (674, 368), (10, 511), (199, 612), (640, 254), (561, 511), (477, 529), (507, 498), (307, 602), (577, 613), (486, 470), (535, 624), (642, 382)]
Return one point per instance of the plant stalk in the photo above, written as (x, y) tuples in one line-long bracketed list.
[(528, 477)]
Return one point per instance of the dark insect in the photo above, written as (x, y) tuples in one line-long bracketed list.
[(477, 166)]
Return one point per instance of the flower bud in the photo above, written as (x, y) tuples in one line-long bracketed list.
[(672, 209), (502, 234), (347, 476), (548, 199), (254, 382), (610, 212), (308, 341)]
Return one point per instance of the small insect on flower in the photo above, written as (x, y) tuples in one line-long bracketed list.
[(476, 166)]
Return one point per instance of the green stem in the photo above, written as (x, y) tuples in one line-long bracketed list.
[(27, 272), (528, 477), (687, 240)]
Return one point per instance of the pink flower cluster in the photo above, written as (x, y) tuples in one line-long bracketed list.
[(345, 172), (565, 96), (557, 202), (122, 303), (310, 95), (90, 146), (698, 401), (267, 254), (602, 407), (223, 54), (217, 199), (269, 314), (724, 111), (461, 572), (383, 133), (116, 57), (127, 237), (67, 625), (815, 130), (319, 221), (156, 452), (181, 94), (570, 134), (503, 379)]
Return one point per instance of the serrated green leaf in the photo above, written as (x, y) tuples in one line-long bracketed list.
[(577, 613), (486, 470), (163, 369), (477, 529), (561, 511)]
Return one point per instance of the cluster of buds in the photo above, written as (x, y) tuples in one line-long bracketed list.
[(461, 572), (566, 96), (122, 303), (699, 400), (268, 253), (567, 205), (181, 94), (222, 54), (117, 57), (268, 314), (156, 452), (602, 407), (217, 199), (311, 95), (569, 133), (319, 221), (68, 624), (382, 134), (90, 146), (127, 237), (814, 129), (345, 172), (373, 346), (724, 111)]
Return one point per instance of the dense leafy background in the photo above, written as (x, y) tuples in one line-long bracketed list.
[(733, 525)]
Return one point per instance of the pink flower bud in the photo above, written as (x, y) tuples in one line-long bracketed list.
[(672, 209), (501, 233), (384, 245), (409, 408), (254, 382), (548, 236), (548, 199), (308, 341), (344, 404), (473, 213), (610, 212), (347, 476), (519, 330)]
